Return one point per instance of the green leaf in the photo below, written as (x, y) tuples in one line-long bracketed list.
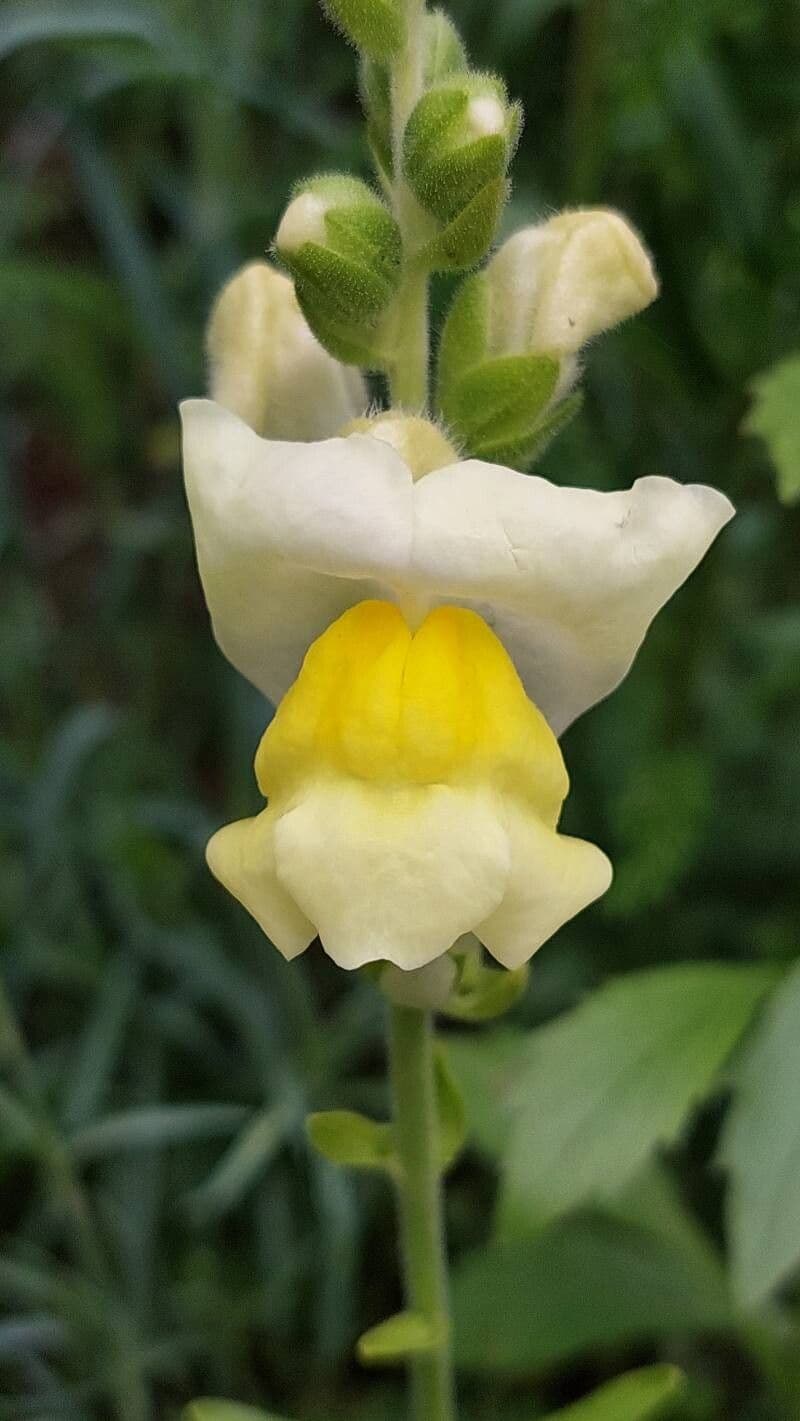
[(761, 1148), (602, 1086), (584, 1285), (376, 26), (407, 1334), (347, 1138), (486, 1067), (775, 418), (651, 1201), (150, 1127), (634, 1397), (48, 20), (241, 1166), (452, 1112), (209, 1409)]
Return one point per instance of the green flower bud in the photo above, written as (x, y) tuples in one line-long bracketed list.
[(508, 352), (457, 147), (444, 55), (375, 26), (344, 250)]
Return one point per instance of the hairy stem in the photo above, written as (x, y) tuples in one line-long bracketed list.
[(420, 1193), (408, 375)]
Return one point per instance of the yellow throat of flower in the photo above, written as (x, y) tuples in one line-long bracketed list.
[(381, 703)]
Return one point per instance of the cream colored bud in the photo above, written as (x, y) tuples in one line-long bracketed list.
[(555, 286), (420, 444), (268, 367), (485, 117), (303, 221)]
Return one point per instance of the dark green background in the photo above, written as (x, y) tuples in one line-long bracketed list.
[(147, 151)]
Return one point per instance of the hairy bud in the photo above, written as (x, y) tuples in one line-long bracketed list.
[(344, 250), (268, 367)]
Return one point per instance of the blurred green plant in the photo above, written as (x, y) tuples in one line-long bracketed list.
[(166, 1230)]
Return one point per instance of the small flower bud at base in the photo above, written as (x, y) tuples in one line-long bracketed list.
[(420, 444)]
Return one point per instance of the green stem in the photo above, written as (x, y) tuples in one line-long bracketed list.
[(421, 1213), (408, 376)]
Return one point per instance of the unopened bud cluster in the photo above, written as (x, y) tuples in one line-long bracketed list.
[(508, 358)]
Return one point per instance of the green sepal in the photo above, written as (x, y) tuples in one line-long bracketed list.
[(455, 170), (444, 56), (487, 994), (376, 100), (407, 1334), (210, 1409), (444, 49), (352, 347), (451, 1111), (500, 400), (468, 238), (465, 333), (334, 290), (346, 1138), (524, 453), (374, 26)]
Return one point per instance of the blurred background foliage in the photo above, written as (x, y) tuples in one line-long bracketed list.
[(631, 1190)]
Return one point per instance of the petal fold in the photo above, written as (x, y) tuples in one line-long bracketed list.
[(568, 578), (392, 877), (242, 857), (552, 878)]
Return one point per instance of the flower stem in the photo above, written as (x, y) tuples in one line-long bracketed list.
[(420, 1194), (408, 376)]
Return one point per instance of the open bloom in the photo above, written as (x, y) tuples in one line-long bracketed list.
[(459, 615), (290, 535), (414, 792)]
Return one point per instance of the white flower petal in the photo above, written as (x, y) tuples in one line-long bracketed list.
[(396, 875), (552, 878), (569, 578), (242, 857), (288, 535)]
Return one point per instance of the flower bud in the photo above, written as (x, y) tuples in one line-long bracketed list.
[(420, 444), (375, 26), (267, 366), (443, 55), (457, 147), (344, 250), (555, 286), (507, 357)]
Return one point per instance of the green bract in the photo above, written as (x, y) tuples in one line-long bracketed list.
[(444, 55), (457, 147), (376, 26), (499, 407), (344, 250)]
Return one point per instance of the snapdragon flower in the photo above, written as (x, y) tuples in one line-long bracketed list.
[(459, 616)]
